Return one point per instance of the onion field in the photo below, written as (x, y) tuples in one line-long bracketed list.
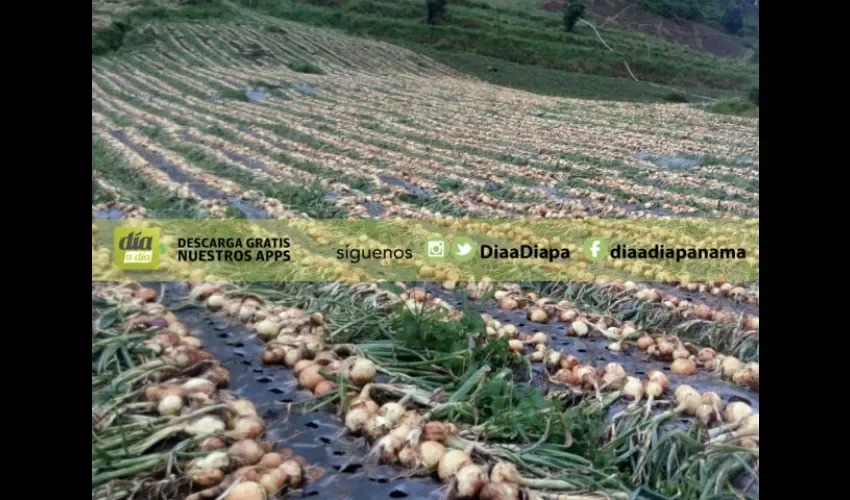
[(585, 389)]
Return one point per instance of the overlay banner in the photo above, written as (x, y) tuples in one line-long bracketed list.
[(370, 250)]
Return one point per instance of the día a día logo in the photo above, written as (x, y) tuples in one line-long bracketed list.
[(136, 248)]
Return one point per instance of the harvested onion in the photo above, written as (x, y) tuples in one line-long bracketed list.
[(470, 480), (737, 411), (683, 366), (451, 462), (432, 453), (248, 490), (580, 328), (246, 452)]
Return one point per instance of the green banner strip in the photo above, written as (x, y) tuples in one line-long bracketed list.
[(361, 250)]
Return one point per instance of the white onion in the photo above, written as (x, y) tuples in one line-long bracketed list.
[(205, 426), (431, 452), (356, 418), (170, 405), (737, 411), (580, 328), (246, 451), (452, 462), (633, 388), (247, 490), (470, 480), (392, 412)]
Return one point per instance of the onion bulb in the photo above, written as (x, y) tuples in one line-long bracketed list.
[(504, 472), (246, 312), (705, 414), (377, 426), (580, 328), (170, 404), (246, 452), (410, 419), (365, 402), (744, 377), (737, 411), (633, 388), (437, 431), (210, 444), (361, 371), (205, 478), (215, 460), (194, 385), (247, 427), (508, 304), (301, 365), (499, 491), (658, 376), (569, 362), (470, 480), (324, 387), (706, 354), (536, 356), (683, 366), (688, 401), (539, 338), (356, 418), (712, 399), (248, 490), (681, 353), (683, 389), (432, 453), (538, 315), (452, 462), (267, 328), (730, 366), (243, 407), (273, 481), (387, 448), (568, 315), (749, 426), (665, 348), (270, 460), (654, 389), (310, 377), (409, 456), (204, 426), (293, 471), (392, 412), (553, 360), (516, 345)]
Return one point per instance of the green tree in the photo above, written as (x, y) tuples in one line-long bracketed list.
[(733, 19), (572, 13), (435, 10)]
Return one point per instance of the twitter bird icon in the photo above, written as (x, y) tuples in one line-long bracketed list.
[(464, 248)]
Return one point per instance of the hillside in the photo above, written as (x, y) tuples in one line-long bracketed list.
[(702, 29), (501, 44)]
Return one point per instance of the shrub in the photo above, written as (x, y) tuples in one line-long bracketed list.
[(676, 97), (572, 13), (305, 67)]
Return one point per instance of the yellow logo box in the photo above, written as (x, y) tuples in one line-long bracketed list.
[(136, 248)]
